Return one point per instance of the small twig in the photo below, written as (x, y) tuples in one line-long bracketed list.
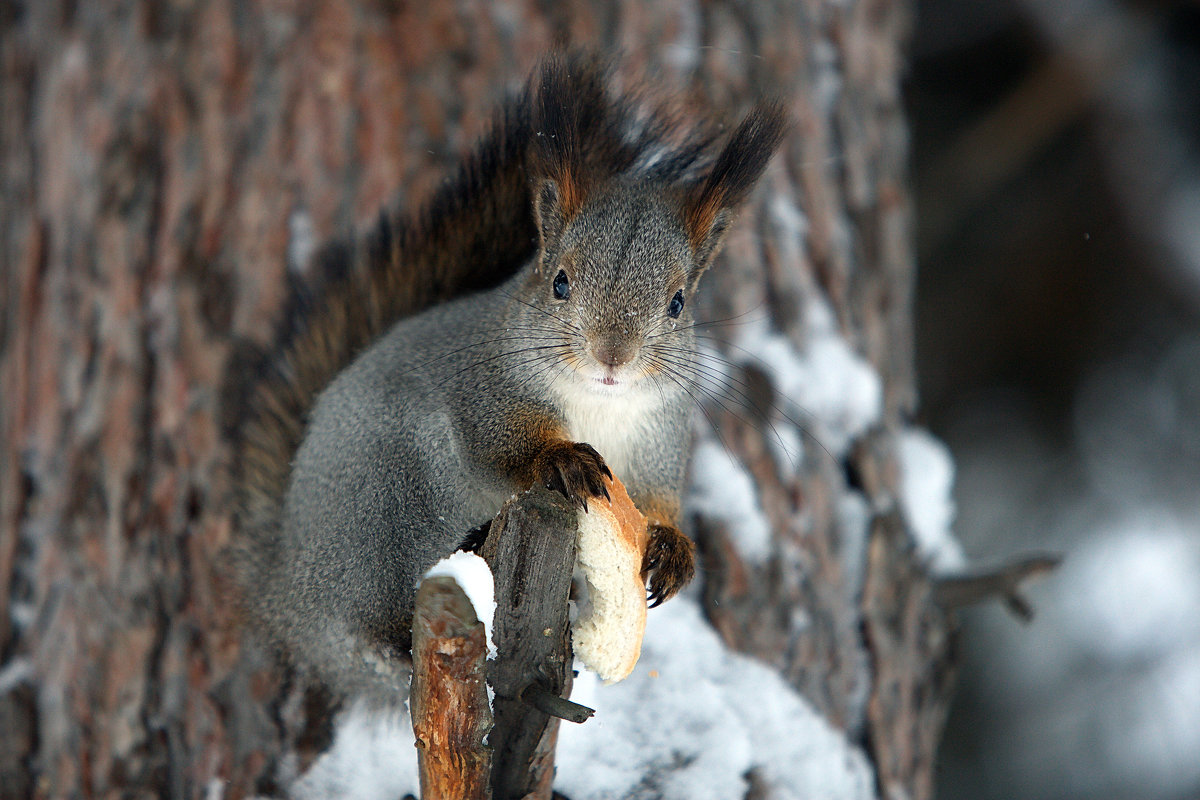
[(963, 590), (552, 705)]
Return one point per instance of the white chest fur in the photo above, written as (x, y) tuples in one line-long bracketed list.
[(615, 424)]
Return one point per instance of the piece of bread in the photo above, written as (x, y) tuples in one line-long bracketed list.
[(607, 633)]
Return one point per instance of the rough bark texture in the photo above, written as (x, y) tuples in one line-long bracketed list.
[(449, 703), (163, 164), (912, 648), (531, 550)]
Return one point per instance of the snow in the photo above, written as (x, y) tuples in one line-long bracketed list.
[(854, 523), (302, 241), (689, 724), (372, 758), (1148, 556), (834, 395), (214, 789), (827, 81), (16, 672), (1107, 679), (827, 384), (1177, 223), (926, 498), (474, 576), (1124, 597), (694, 719), (722, 490)]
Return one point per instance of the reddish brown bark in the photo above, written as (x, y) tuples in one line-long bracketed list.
[(449, 702)]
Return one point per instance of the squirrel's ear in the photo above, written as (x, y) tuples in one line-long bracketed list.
[(707, 246), (709, 206), (550, 215)]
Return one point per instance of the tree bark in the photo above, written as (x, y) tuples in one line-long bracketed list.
[(449, 702), (164, 164), (531, 550)]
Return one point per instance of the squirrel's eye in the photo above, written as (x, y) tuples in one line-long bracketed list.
[(676, 307), (562, 286)]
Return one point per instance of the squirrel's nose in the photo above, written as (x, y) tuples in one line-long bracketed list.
[(612, 352)]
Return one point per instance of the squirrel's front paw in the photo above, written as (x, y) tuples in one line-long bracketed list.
[(670, 561), (573, 468)]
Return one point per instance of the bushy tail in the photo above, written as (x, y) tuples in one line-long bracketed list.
[(474, 233)]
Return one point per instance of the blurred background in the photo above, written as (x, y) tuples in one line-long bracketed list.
[(1057, 160)]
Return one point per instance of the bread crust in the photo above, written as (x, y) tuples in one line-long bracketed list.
[(607, 633)]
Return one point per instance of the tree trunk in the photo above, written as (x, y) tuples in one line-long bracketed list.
[(164, 164)]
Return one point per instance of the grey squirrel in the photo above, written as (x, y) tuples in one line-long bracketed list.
[(532, 324)]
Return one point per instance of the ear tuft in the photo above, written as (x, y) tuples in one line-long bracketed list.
[(551, 216), (709, 207), (579, 131), (569, 106)]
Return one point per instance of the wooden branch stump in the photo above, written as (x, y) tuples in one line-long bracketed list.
[(531, 550), (449, 702)]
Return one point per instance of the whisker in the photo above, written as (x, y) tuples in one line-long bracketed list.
[(736, 319), (505, 354), (727, 401), (481, 343), (565, 324), (735, 367), (741, 391), (712, 423)]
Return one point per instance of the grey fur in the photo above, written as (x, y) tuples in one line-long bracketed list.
[(407, 449)]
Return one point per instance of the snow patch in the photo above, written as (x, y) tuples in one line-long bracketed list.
[(1108, 676), (689, 724), (827, 82), (788, 216), (926, 498), (474, 577), (16, 672), (302, 241), (722, 490), (854, 525), (373, 758), (1098, 696), (693, 719), (827, 383)]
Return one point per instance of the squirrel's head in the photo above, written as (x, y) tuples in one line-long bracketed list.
[(621, 255)]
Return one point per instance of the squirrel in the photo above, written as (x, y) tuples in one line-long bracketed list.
[(532, 324)]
